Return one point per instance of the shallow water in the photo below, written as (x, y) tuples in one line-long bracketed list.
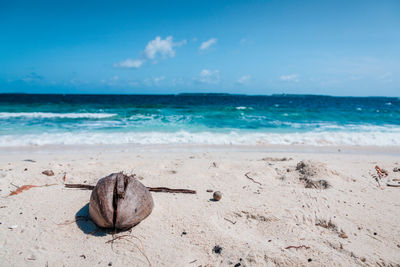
[(198, 119)]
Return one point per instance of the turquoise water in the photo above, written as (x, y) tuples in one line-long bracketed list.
[(199, 119)]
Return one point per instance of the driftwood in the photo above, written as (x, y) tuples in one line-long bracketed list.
[(151, 189), (80, 186), (171, 190)]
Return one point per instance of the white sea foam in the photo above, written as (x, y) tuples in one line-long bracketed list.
[(242, 108), (376, 138), (6, 115)]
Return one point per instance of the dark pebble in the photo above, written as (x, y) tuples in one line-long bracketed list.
[(217, 249), (309, 260), (375, 233), (184, 233), (110, 263), (237, 264)]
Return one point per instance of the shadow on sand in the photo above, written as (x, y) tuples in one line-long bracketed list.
[(87, 226), (83, 221)]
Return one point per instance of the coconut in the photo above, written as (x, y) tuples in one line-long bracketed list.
[(120, 201)]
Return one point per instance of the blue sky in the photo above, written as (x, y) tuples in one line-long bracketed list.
[(251, 47)]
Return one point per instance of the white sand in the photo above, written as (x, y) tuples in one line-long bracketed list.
[(253, 224)]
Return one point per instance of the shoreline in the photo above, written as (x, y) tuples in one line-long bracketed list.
[(381, 150)]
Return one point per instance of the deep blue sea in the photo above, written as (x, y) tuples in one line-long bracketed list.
[(27, 120)]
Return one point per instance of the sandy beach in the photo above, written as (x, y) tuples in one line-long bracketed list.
[(273, 211)]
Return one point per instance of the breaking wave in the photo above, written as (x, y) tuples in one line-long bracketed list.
[(184, 137)]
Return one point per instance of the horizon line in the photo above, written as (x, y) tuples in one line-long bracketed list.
[(192, 94)]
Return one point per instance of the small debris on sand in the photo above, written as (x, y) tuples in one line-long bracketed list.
[(48, 172), (217, 249), (217, 195), (396, 169), (22, 188), (327, 224), (381, 172), (342, 234), (29, 160), (310, 169), (298, 247), (276, 159)]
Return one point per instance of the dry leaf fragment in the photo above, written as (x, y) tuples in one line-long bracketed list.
[(48, 172), (22, 188), (343, 234), (381, 172)]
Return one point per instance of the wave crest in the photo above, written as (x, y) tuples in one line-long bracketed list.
[(6, 115)]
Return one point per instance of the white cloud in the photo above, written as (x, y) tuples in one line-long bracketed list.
[(208, 76), (130, 63), (154, 48), (207, 44), (183, 42), (163, 47), (157, 80), (244, 79), (160, 46), (290, 78)]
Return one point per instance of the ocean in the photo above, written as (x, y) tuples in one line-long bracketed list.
[(39, 119)]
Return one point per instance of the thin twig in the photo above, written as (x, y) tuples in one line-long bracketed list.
[(116, 238), (297, 247), (140, 249), (251, 179), (374, 237), (77, 219), (171, 190), (229, 221)]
